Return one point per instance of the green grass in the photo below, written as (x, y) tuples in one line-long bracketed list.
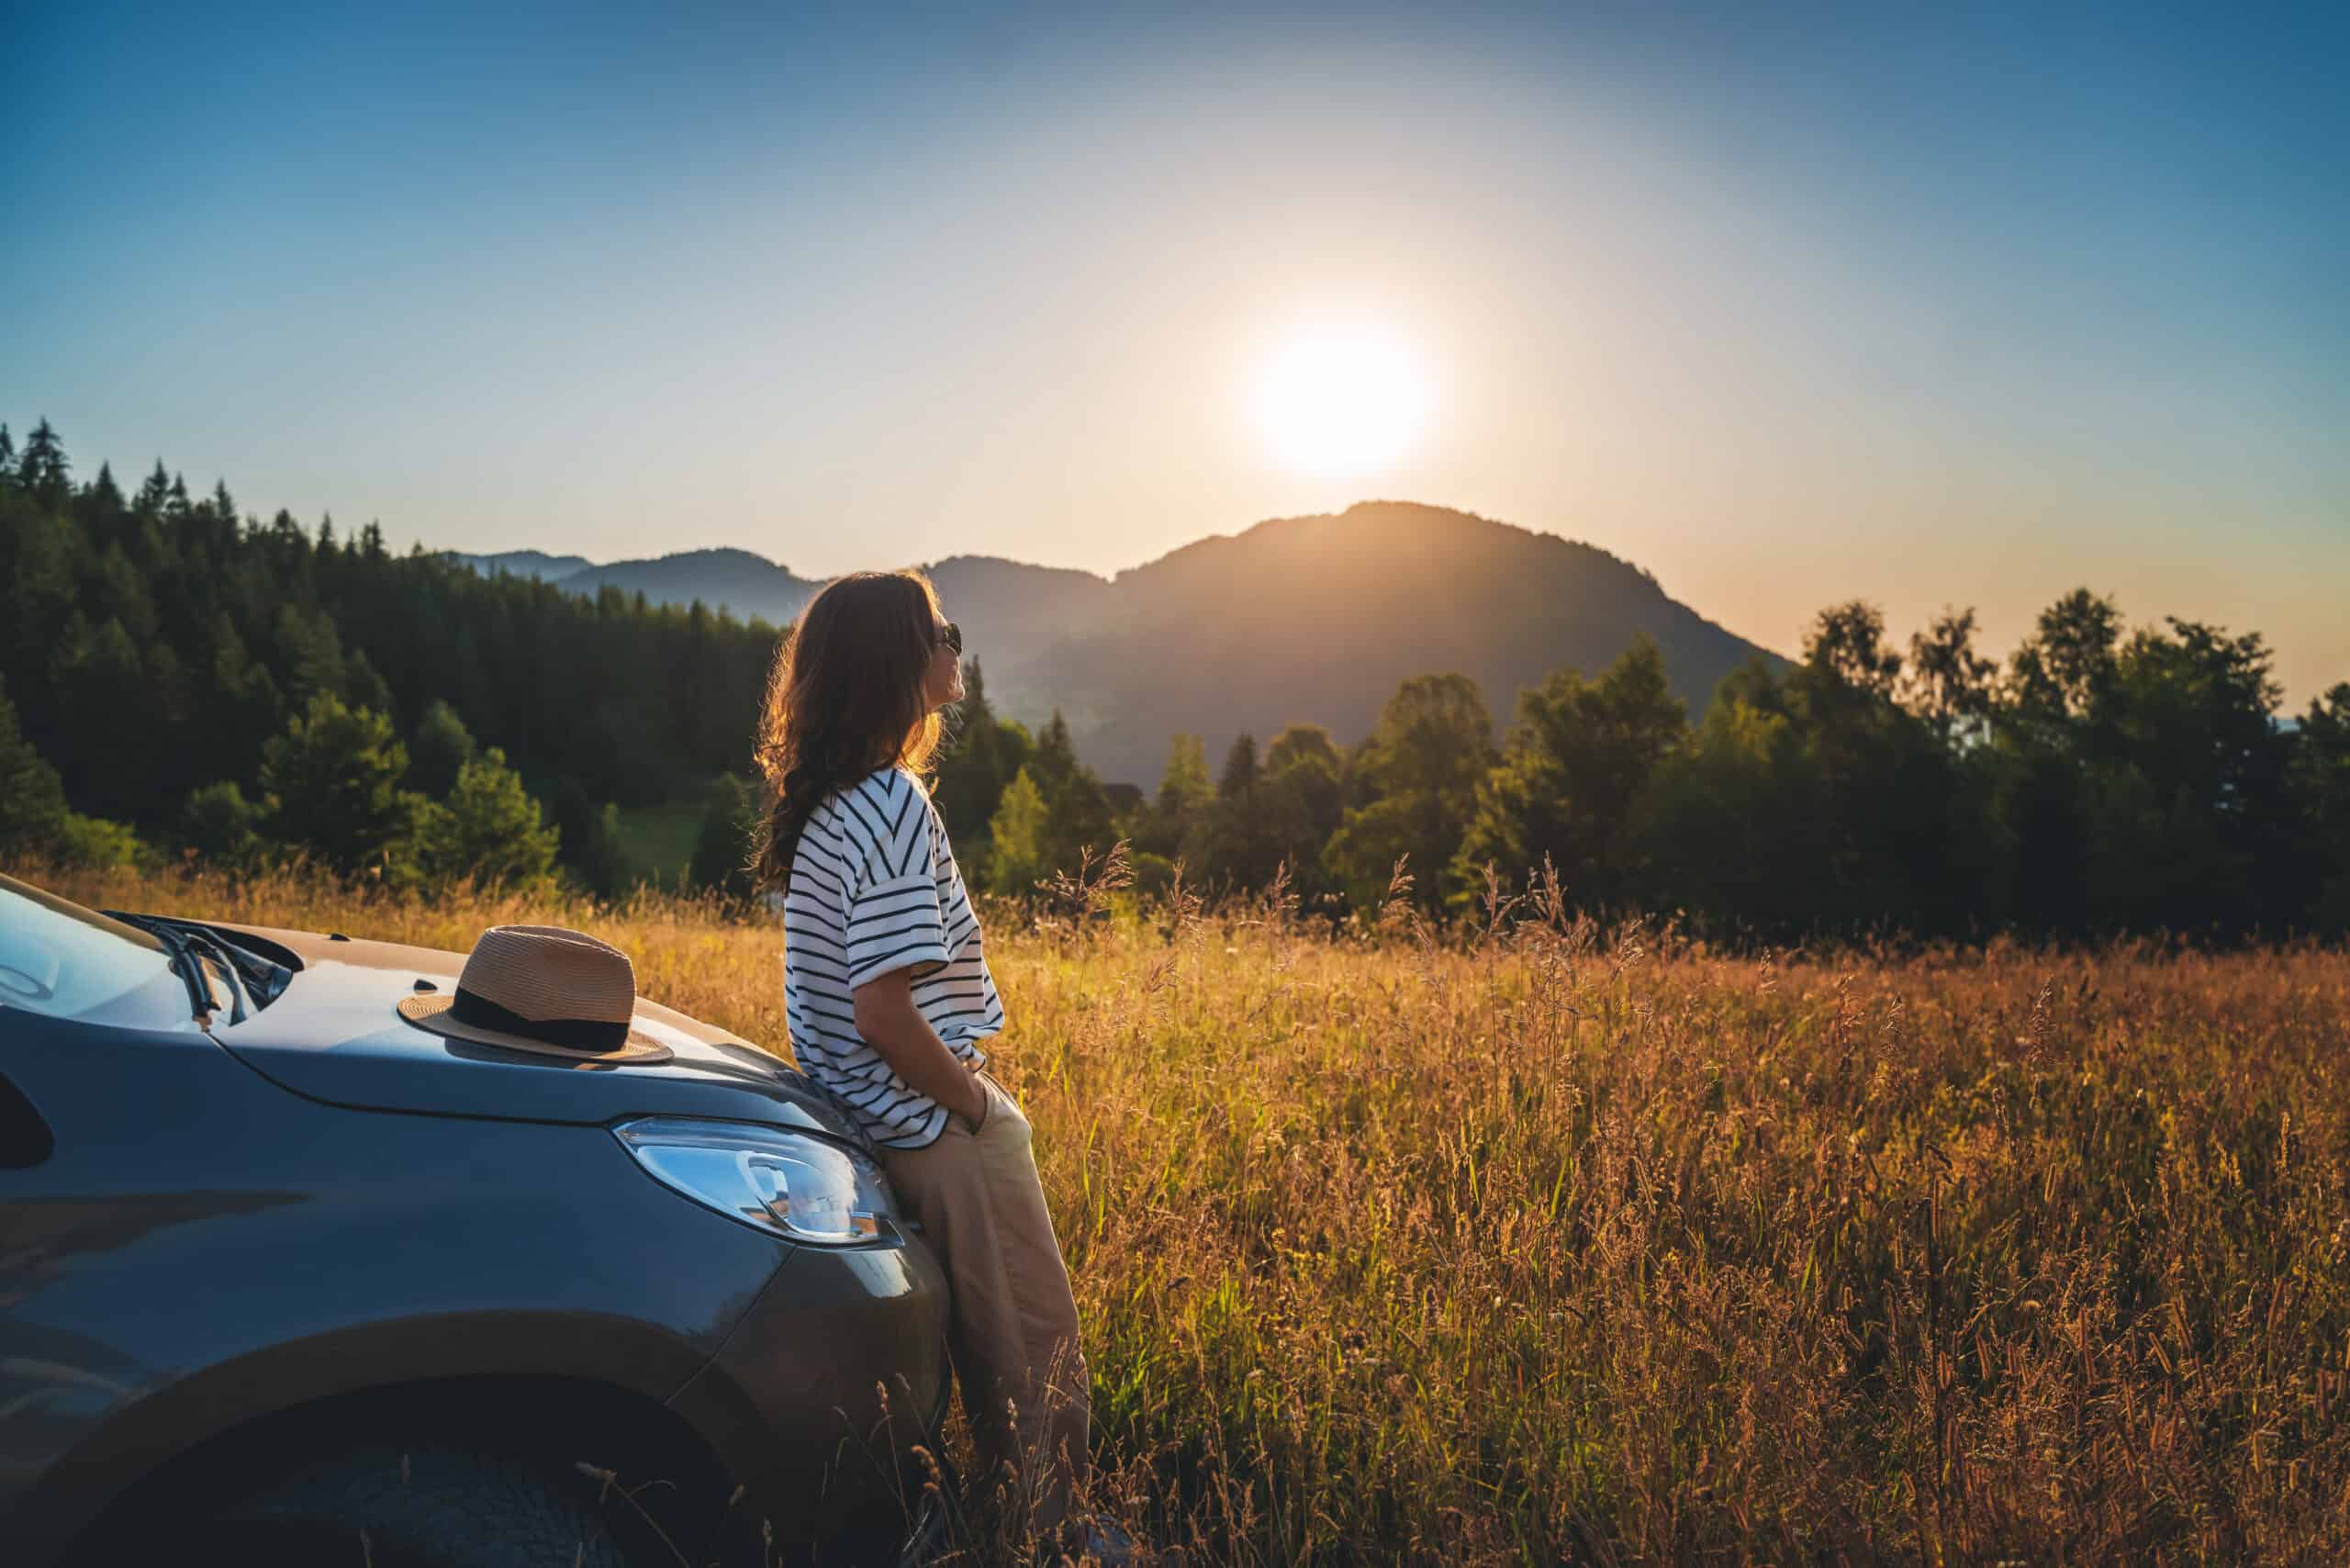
[(659, 840)]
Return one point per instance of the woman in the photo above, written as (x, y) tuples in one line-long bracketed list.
[(889, 996)]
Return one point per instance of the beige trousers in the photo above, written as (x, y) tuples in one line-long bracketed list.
[(1012, 1327)]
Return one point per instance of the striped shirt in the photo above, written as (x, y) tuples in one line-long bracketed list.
[(875, 887)]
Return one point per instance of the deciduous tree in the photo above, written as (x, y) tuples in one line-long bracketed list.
[(1020, 833), (1579, 760), (1421, 768)]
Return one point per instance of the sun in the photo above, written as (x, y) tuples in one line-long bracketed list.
[(1339, 401)]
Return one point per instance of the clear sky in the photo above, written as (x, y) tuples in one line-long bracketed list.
[(1962, 305)]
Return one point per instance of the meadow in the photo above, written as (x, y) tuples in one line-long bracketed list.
[(1523, 1241), (657, 842)]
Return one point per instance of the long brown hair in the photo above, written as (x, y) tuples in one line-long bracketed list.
[(846, 697)]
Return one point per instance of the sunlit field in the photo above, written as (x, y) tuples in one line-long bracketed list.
[(1537, 1243)]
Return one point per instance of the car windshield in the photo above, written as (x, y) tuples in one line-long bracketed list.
[(70, 962)]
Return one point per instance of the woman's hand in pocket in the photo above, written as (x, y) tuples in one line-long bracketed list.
[(986, 1104)]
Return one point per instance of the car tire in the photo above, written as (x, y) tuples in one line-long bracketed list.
[(420, 1509)]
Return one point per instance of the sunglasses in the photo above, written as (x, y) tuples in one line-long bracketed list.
[(950, 635)]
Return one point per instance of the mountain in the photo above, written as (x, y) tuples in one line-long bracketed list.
[(1301, 618), (1011, 611), (1321, 617), (751, 586), (523, 564)]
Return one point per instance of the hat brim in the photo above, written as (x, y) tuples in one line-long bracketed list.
[(431, 1013)]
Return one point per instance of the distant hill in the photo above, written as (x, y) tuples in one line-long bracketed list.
[(1302, 618), (1320, 618), (524, 564), (1011, 611), (751, 586)]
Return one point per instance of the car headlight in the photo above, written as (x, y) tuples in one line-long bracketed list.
[(789, 1185)]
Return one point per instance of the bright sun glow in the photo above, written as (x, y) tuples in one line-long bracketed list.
[(1342, 401)]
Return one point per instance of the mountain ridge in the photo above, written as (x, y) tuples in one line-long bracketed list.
[(1320, 617), (1314, 617), (721, 577), (525, 563)]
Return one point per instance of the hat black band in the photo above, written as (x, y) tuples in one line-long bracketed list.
[(579, 1034)]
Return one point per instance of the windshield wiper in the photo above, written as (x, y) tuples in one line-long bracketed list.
[(186, 965), (263, 980), (238, 990), (187, 962)]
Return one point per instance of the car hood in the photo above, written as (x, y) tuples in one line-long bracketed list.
[(333, 1036)]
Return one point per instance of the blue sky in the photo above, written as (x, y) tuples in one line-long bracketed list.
[(1789, 305)]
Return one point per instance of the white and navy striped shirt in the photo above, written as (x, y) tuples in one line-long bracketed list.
[(875, 887)]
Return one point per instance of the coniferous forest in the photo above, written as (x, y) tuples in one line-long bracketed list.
[(210, 680), (176, 678)]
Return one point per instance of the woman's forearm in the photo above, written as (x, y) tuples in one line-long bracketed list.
[(899, 1034)]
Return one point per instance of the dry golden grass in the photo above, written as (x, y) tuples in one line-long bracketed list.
[(1536, 1246)]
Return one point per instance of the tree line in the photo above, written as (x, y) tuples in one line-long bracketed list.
[(189, 678), (2100, 781)]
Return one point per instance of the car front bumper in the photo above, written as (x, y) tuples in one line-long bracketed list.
[(821, 1394)]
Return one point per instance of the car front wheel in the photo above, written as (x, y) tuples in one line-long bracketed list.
[(421, 1508)]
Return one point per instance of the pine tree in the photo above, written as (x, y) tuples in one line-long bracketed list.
[(1235, 841), (489, 831), (589, 837), (32, 799), (363, 688), (1079, 811), (222, 827), (310, 651), (981, 756), (108, 742), (721, 853), (44, 469), (332, 780), (205, 593), (247, 709), (1184, 785), (1240, 778), (154, 492), (1056, 752), (440, 748)]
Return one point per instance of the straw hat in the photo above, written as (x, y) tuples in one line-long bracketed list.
[(544, 990)]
